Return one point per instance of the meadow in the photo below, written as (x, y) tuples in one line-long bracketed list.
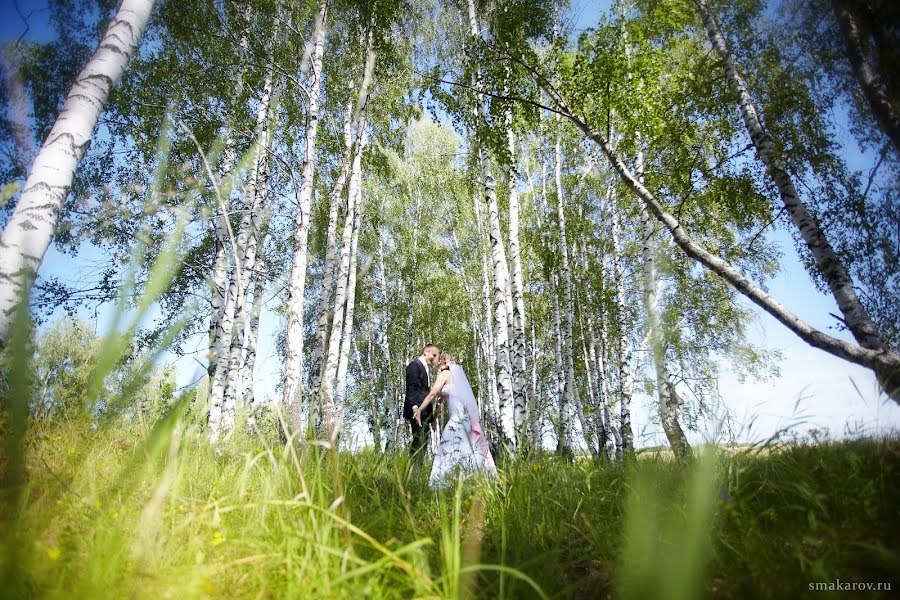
[(129, 509)]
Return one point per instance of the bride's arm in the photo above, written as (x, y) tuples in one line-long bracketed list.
[(439, 384)]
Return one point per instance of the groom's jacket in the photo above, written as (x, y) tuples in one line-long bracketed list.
[(416, 390)]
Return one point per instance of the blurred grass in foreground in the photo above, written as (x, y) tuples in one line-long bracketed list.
[(117, 511)]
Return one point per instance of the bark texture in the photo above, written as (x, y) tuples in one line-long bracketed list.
[(865, 73), (30, 228), (500, 268), (293, 362)]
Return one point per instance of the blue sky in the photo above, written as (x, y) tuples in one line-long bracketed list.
[(815, 390)]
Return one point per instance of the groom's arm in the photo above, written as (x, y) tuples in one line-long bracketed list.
[(439, 384)]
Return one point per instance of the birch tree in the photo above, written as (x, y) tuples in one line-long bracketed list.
[(621, 328), (326, 399), (340, 392), (249, 362), (293, 362), (230, 338), (323, 311), (832, 269), (221, 229), (500, 266), (253, 267), (518, 295), (30, 229), (875, 87), (330, 400)]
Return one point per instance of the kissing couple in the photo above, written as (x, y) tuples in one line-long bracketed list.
[(463, 448)]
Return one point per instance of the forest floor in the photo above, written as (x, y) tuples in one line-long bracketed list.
[(114, 511)]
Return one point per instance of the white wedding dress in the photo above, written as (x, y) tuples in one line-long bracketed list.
[(463, 448)]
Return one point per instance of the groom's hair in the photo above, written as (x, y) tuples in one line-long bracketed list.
[(427, 346)]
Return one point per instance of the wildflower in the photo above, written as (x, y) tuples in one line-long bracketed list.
[(209, 587), (53, 552), (217, 537)]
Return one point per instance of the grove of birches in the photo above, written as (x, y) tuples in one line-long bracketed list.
[(584, 214)]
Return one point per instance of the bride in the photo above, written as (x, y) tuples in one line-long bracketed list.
[(463, 446)]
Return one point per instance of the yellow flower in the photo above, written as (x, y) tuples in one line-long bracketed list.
[(217, 538), (53, 553)]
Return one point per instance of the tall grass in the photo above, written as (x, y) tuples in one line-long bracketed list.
[(112, 512)]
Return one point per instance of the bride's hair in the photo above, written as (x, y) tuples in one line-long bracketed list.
[(445, 358)]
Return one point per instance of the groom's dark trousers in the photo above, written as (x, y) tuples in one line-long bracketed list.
[(416, 390)]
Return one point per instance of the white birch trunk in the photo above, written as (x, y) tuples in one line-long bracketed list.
[(621, 317), (323, 310), (330, 398), (563, 436), (257, 188), (493, 395), (481, 330), (222, 256), (568, 354), (412, 264), (518, 300), (230, 319), (533, 416), (414, 259), (218, 283), (589, 427), (347, 330), (247, 367), (293, 362), (329, 369), (229, 341), (391, 408), (500, 268), (613, 439), (601, 416), (252, 340), (30, 229), (501, 319)]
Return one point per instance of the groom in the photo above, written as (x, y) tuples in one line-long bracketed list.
[(418, 383)]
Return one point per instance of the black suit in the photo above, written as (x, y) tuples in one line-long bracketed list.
[(416, 389)]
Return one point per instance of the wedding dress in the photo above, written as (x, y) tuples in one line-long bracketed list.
[(463, 449)]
